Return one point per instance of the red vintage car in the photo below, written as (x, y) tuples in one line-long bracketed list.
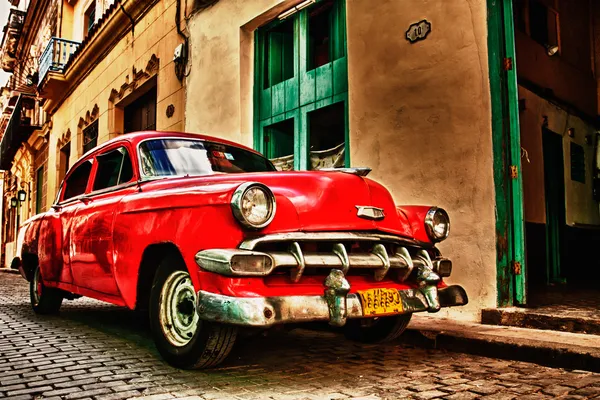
[(208, 237)]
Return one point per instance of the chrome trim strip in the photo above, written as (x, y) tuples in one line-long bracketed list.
[(251, 244)]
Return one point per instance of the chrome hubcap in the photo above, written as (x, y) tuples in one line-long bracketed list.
[(37, 287), (178, 317)]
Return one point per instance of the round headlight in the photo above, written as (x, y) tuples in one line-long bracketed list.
[(253, 205), (437, 224)]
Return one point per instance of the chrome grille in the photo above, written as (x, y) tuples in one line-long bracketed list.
[(384, 255)]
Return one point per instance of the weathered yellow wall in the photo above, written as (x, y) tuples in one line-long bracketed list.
[(155, 34), (581, 208), (419, 113)]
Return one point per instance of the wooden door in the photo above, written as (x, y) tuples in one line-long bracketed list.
[(141, 114), (554, 188)]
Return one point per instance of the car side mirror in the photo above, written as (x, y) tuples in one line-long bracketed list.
[(56, 207)]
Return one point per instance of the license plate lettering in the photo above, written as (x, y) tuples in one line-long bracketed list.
[(380, 301)]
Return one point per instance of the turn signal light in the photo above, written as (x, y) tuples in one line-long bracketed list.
[(442, 267)]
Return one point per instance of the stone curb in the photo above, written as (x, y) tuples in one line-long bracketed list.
[(9, 271)]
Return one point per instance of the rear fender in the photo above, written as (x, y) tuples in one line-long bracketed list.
[(27, 265), (27, 248)]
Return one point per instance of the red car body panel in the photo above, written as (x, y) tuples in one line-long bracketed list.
[(94, 246)]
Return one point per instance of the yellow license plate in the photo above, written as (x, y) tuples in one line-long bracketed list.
[(380, 301)]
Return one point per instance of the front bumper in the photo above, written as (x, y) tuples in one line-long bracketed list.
[(342, 253), (332, 307)]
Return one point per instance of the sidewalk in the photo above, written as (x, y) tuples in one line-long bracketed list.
[(550, 348)]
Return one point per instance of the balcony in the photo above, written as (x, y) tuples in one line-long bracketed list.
[(10, 40), (55, 57), (19, 129)]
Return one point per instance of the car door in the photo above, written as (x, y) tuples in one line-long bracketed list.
[(71, 221), (112, 179)]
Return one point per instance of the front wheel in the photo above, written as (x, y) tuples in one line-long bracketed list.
[(377, 330), (181, 338), (44, 300)]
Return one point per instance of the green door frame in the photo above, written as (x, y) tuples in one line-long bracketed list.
[(506, 138)]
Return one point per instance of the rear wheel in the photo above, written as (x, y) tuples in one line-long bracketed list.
[(44, 300), (377, 330), (182, 339)]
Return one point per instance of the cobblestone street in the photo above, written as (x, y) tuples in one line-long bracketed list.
[(94, 350)]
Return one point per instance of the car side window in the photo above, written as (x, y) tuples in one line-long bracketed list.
[(114, 168), (76, 183)]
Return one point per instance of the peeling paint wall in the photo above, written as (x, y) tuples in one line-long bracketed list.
[(419, 114), (220, 86)]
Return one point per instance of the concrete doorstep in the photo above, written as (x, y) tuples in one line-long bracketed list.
[(550, 348), (561, 320)]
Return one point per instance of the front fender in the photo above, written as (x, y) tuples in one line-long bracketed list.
[(188, 229), (416, 218)]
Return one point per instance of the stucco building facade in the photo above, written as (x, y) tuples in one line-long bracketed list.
[(446, 101), (86, 71)]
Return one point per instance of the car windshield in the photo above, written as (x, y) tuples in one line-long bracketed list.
[(173, 157)]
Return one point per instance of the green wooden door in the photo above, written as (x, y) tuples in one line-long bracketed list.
[(39, 190), (554, 189)]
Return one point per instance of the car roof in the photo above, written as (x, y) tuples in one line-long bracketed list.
[(135, 137)]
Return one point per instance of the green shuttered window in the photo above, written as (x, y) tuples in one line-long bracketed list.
[(301, 68)]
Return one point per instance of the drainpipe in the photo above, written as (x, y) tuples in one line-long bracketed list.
[(60, 19), (128, 16)]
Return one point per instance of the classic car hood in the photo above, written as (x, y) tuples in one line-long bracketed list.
[(306, 200)]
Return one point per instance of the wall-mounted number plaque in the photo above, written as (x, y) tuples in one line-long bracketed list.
[(418, 31)]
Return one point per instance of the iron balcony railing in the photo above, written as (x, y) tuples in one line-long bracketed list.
[(56, 56)]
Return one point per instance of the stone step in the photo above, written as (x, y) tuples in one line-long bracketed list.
[(530, 318), (545, 347)]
